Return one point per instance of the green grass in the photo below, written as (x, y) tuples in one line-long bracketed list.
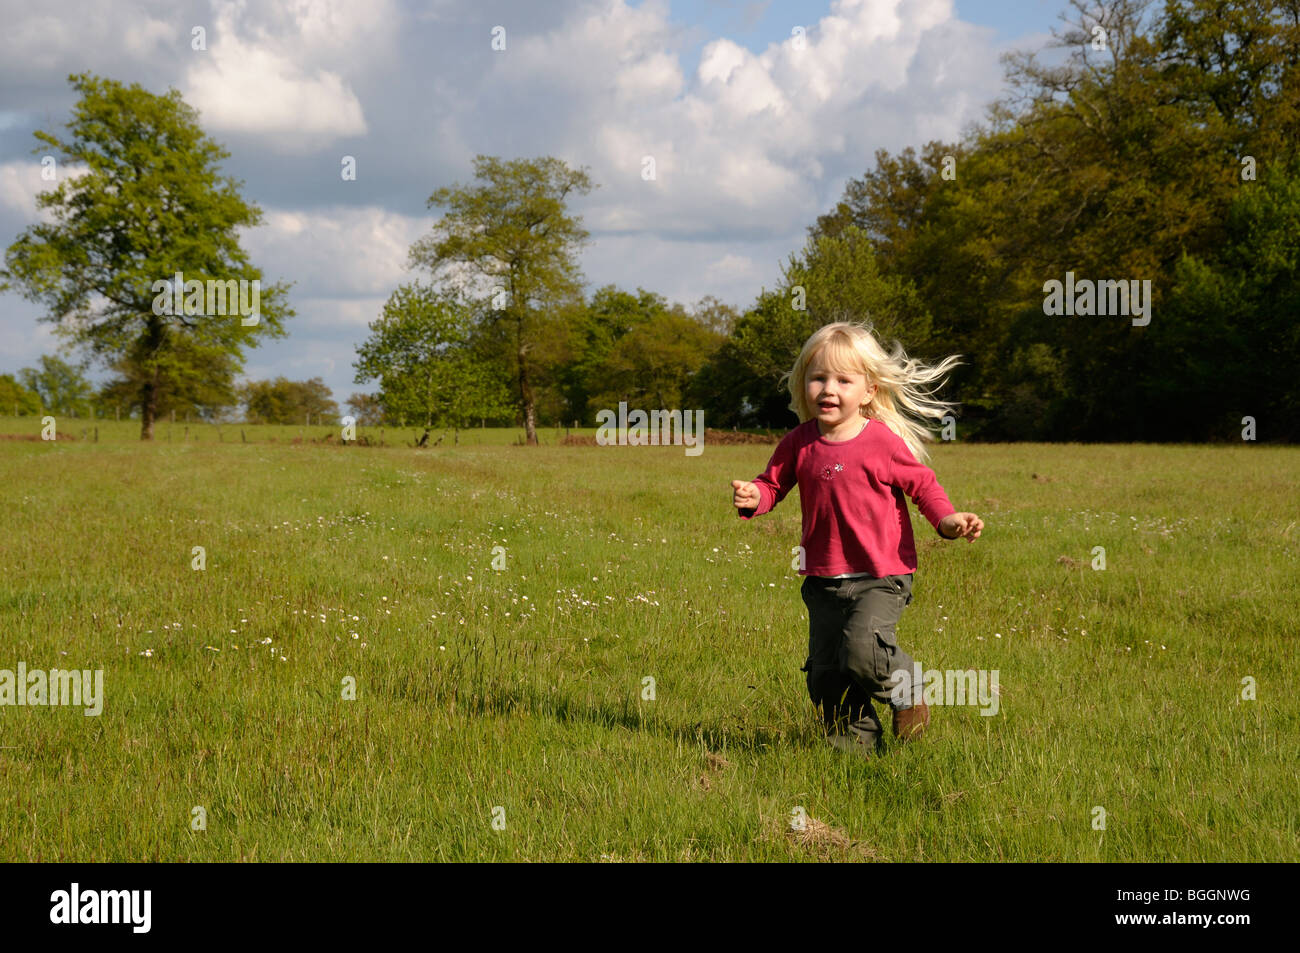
[(522, 689)]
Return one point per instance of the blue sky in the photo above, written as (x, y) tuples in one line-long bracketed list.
[(756, 24), (753, 134)]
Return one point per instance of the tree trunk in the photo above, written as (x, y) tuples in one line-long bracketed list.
[(148, 408), (526, 396), (530, 423), (154, 332)]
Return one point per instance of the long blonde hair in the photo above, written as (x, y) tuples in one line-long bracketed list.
[(899, 398)]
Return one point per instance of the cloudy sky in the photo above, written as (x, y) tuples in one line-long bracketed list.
[(755, 126)]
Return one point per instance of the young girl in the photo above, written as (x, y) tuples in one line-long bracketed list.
[(854, 457)]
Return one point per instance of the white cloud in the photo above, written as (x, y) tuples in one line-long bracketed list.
[(21, 182), (343, 251), (685, 271), (38, 42), (756, 143), (729, 268), (149, 36), (264, 77), (129, 40), (749, 146)]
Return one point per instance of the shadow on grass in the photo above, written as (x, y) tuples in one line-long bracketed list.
[(566, 708)]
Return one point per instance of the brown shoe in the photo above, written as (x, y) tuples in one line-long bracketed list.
[(910, 722)]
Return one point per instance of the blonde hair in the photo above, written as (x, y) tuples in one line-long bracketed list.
[(899, 398)]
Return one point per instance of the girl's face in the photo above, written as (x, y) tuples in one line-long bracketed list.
[(836, 396)]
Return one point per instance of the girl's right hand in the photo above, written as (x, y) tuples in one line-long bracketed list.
[(746, 495)]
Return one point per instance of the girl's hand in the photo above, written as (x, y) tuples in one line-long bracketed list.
[(746, 495), (957, 525)]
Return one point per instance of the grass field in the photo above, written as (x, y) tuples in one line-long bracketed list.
[(517, 695)]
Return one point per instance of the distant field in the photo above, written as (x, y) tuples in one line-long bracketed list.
[(518, 694)]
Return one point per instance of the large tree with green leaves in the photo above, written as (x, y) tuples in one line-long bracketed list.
[(61, 387), (203, 384), (591, 334), (510, 242), (139, 200), (1146, 154), (655, 362), (17, 399), (421, 351), (282, 401)]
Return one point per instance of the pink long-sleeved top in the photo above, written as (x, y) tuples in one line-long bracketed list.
[(855, 516)]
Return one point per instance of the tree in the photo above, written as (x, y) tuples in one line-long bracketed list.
[(714, 314), (366, 408), (841, 281), (591, 334), (203, 384), (1241, 60), (741, 384), (148, 206), (1132, 158), (282, 401), (17, 398), (509, 240), (652, 365), (420, 352), (836, 278), (60, 387), (1230, 327)]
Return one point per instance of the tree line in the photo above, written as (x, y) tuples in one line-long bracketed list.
[(57, 387), (1157, 155)]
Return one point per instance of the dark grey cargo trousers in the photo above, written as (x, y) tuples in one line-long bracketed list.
[(853, 650)]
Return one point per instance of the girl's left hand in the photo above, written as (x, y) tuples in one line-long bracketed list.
[(957, 525)]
